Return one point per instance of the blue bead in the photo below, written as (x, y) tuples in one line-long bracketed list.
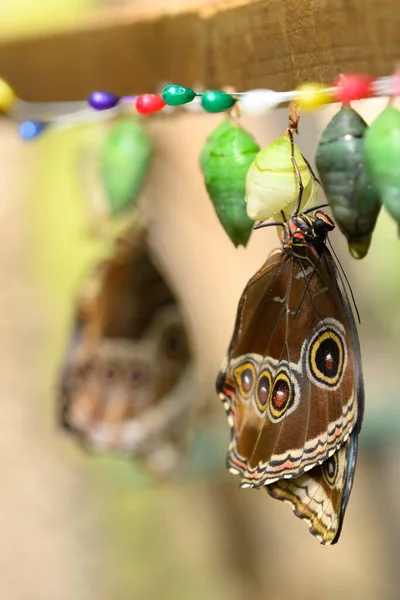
[(103, 100), (29, 130)]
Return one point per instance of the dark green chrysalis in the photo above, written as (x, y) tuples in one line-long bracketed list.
[(339, 159), (124, 163), (224, 161)]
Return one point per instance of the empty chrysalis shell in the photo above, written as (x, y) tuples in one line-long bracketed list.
[(272, 184), (340, 162), (225, 158), (124, 163), (382, 158)]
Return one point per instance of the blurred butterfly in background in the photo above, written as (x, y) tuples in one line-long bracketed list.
[(292, 384), (127, 384)]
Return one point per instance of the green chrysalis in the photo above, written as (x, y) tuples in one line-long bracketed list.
[(225, 158), (340, 163), (124, 163), (382, 158)]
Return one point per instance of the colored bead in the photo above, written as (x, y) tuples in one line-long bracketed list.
[(214, 101), (353, 86), (7, 96), (313, 95), (175, 95), (396, 84), (103, 100), (258, 102), (30, 130), (149, 103)]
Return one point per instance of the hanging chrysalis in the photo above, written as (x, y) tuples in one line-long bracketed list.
[(346, 182), (124, 163), (382, 158), (127, 384), (225, 158), (272, 184)]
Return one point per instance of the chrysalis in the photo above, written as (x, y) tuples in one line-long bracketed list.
[(382, 158), (124, 163), (127, 384), (224, 161), (347, 185), (272, 184)]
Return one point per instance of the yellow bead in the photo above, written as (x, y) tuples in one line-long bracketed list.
[(313, 95), (7, 96)]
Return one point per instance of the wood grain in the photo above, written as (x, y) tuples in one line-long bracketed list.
[(245, 44)]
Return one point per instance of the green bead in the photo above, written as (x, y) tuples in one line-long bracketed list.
[(175, 95), (340, 163), (214, 101), (124, 163), (225, 158), (382, 158)]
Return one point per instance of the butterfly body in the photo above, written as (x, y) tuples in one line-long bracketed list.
[(291, 383)]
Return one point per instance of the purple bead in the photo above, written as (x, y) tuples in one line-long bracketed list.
[(103, 100)]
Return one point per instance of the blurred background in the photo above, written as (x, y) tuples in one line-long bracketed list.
[(80, 527)]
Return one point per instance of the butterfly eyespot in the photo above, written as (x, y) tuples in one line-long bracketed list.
[(329, 469), (326, 358), (282, 396), (110, 372), (137, 377), (263, 390), (173, 344), (245, 377)]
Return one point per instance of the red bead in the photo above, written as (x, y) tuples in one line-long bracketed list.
[(149, 103), (353, 86)]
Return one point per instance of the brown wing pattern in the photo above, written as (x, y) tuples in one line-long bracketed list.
[(289, 382), (128, 384), (320, 496)]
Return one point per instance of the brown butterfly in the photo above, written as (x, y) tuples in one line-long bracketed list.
[(127, 383), (292, 383)]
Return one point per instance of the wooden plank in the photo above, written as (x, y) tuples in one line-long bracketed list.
[(245, 44)]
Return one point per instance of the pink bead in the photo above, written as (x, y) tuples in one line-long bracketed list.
[(353, 86), (396, 83), (149, 103)]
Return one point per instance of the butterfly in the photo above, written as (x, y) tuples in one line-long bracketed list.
[(292, 381), (127, 381)]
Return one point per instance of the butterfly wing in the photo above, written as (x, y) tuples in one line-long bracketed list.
[(291, 380), (320, 496), (127, 383)]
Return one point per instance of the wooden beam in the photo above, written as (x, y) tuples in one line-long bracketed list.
[(246, 44)]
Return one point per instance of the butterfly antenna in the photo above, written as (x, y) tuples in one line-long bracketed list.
[(311, 170), (347, 281), (305, 212), (262, 224)]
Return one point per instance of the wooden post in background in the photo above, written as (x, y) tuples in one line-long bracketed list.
[(243, 43)]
